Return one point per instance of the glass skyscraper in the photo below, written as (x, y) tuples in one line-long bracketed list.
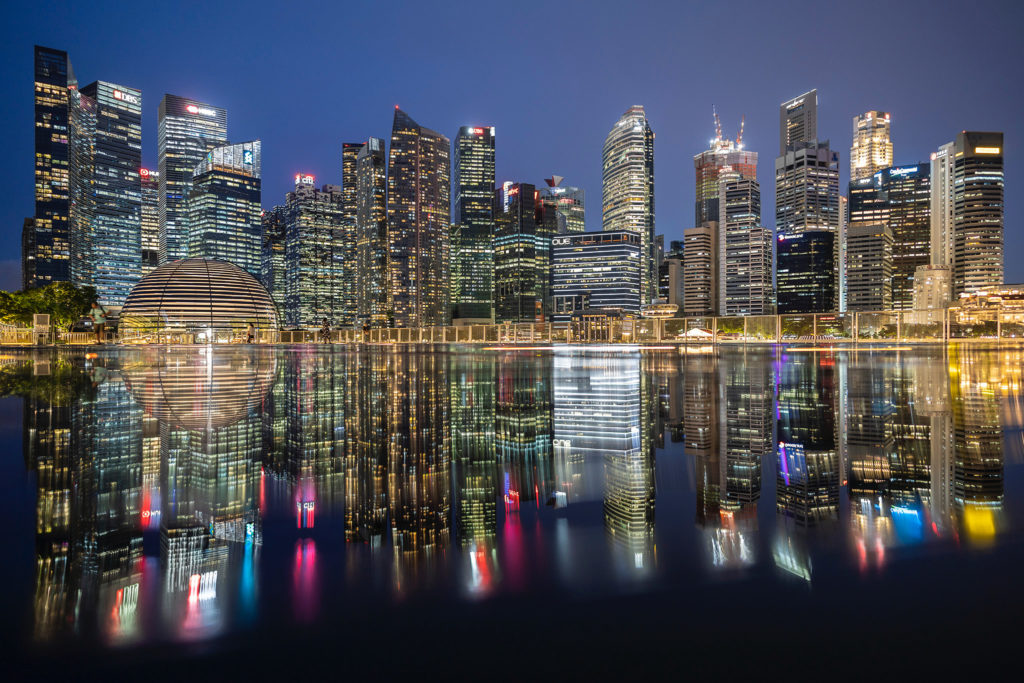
[(314, 227), (150, 181), (472, 234), (224, 220), (272, 271), (522, 256), (418, 220), (744, 249), (346, 253), (371, 274), (567, 201), (187, 130), (595, 270)]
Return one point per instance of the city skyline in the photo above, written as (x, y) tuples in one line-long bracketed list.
[(530, 147)]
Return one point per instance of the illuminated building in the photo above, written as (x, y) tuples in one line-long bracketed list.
[(224, 215), (595, 270), (871, 150), (418, 213), (371, 272), (869, 268), (522, 257), (567, 201), (272, 268), (744, 252), (670, 282), (805, 273), (627, 189), (700, 269), (723, 154), (106, 230), (932, 287), (186, 130), (472, 232), (347, 255), (798, 121), (150, 220), (46, 258), (314, 228), (977, 212), (942, 205)]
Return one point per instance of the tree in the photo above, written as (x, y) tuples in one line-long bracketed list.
[(64, 302)]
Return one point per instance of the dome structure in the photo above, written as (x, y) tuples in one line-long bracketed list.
[(197, 301)]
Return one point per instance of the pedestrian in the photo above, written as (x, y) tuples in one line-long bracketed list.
[(98, 314), (250, 334), (325, 331)]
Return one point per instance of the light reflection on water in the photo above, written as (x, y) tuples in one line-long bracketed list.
[(183, 493)]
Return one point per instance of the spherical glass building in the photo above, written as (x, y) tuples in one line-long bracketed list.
[(197, 301)]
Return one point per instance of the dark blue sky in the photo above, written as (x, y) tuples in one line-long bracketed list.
[(552, 77)]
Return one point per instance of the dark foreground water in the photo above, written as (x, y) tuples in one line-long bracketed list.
[(258, 512)]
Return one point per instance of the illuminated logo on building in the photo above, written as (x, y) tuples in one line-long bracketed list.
[(301, 179), (126, 97), (476, 131), (205, 111), (902, 171), (247, 156), (987, 150), (144, 172)]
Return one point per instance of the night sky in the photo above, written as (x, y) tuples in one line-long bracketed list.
[(552, 77)]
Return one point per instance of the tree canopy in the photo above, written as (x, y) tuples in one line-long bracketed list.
[(63, 301)]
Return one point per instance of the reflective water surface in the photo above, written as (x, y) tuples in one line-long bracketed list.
[(441, 506)]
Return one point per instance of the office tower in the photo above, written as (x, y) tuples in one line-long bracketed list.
[(700, 269), (798, 121), (942, 205), (348, 295), (46, 257), (522, 256), (106, 202), (807, 200), (627, 189), (150, 220), (744, 249), (595, 270), (224, 215), (472, 232), (805, 272), (871, 150), (186, 130), (709, 164), (314, 228), (869, 256), (272, 267), (932, 287), (418, 211), (372, 306), (28, 253), (977, 212), (567, 201), (670, 281)]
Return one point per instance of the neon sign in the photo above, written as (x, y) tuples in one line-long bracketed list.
[(144, 172), (302, 179), (902, 171), (247, 156), (205, 111), (476, 131)]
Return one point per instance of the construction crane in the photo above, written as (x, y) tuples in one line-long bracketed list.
[(739, 138)]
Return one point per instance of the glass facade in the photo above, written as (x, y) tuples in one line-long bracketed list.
[(186, 130), (745, 249), (724, 155), (568, 202), (371, 274), (977, 212), (805, 272), (314, 237), (472, 233), (522, 256), (346, 253), (595, 270), (272, 270), (224, 215), (150, 220)]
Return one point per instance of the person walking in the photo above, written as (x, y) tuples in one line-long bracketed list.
[(250, 334), (325, 331), (98, 315)]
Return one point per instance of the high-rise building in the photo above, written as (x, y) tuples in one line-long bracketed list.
[(670, 281), (522, 256), (314, 225), (472, 232), (224, 215), (150, 220), (47, 249), (349, 295), (709, 164), (871, 150), (106, 232), (942, 215), (418, 214), (869, 267), (977, 212), (805, 272), (272, 267), (186, 130), (567, 201), (627, 189), (798, 120), (700, 269), (598, 269), (744, 249), (372, 235)]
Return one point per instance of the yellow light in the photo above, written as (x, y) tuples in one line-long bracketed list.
[(980, 522), (987, 150)]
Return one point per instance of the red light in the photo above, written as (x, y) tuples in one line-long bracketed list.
[(144, 172), (192, 109)]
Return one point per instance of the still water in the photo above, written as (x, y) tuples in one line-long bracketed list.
[(516, 508)]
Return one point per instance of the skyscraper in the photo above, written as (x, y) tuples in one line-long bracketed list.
[(106, 189), (272, 268), (418, 212), (977, 212), (869, 267), (805, 272), (709, 164), (907, 192), (744, 249), (798, 120), (627, 189), (522, 256), (186, 130), (700, 269), (567, 201), (314, 225), (871, 150), (599, 269), (472, 232), (224, 220), (372, 235), (46, 257), (150, 220), (347, 254)]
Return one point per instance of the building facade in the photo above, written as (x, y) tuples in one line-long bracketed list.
[(709, 164), (314, 228), (627, 189), (272, 267), (418, 220), (869, 267), (805, 272), (348, 256), (522, 256), (567, 201), (186, 130), (977, 212), (372, 305), (150, 181), (871, 150), (224, 215), (472, 231), (700, 269), (798, 120), (598, 269), (744, 249)]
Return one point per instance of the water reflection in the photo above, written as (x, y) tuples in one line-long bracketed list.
[(172, 484)]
